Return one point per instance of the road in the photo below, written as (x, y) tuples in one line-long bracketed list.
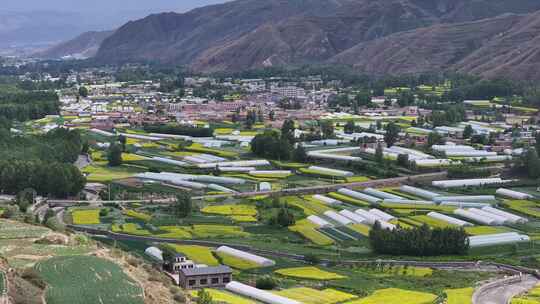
[(503, 294), (293, 191)]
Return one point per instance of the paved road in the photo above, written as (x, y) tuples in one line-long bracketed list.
[(503, 294)]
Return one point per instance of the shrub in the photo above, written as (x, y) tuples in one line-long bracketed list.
[(266, 283)]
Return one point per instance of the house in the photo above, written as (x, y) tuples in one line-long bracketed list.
[(189, 275), (176, 263), (204, 277)]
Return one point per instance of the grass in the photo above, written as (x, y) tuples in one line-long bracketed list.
[(313, 296), (432, 222), (397, 296), (196, 147), (523, 206), (221, 296), (311, 273), (459, 296), (307, 230), (347, 199), (198, 254), (103, 173), (85, 217), (482, 230), (320, 173), (357, 179), (271, 175), (87, 280), (287, 165), (243, 218), (138, 215), (132, 157), (248, 210), (236, 262), (16, 230)]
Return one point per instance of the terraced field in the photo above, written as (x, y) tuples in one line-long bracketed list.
[(314, 296), (395, 296), (87, 280), (311, 273)]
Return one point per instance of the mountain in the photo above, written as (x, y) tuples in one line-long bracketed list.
[(247, 34), (507, 45), (83, 46)]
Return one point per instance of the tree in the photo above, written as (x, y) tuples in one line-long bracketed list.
[(349, 127), (392, 134), (83, 91), (287, 130), (387, 101), (405, 98), (327, 129), (532, 163), (434, 138), (403, 160), (537, 142), (204, 297), (265, 283), (379, 156), (183, 205), (123, 140), (299, 154), (468, 131), (114, 155), (272, 115)]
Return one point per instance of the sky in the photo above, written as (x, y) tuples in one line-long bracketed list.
[(150, 6)]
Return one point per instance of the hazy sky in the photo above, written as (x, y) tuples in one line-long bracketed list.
[(104, 5)]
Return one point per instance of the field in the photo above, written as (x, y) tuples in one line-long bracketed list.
[(313, 296), (198, 254), (459, 296), (103, 173), (247, 210), (16, 230), (525, 207), (360, 228), (347, 199), (87, 280), (308, 204), (138, 215), (235, 262), (307, 230), (85, 217), (311, 273), (481, 230), (224, 297), (183, 232), (396, 296), (431, 222)]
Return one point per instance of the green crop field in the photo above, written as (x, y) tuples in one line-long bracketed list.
[(307, 230), (87, 280), (311, 273), (235, 262), (459, 296), (16, 230), (396, 296), (85, 217), (198, 254), (314, 296), (225, 297), (525, 207)]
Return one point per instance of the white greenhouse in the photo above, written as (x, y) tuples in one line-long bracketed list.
[(381, 194), (474, 217), (448, 219), (466, 198), (262, 261), (353, 216), (497, 239), (332, 171), (497, 220), (468, 182), (513, 194), (512, 218), (319, 221), (419, 192), (258, 294), (382, 215), (338, 217), (327, 200), (360, 196)]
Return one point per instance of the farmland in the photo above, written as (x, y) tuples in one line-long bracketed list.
[(85, 279), (311, 273)]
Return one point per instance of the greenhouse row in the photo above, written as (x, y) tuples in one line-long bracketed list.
[(468, 182), (497, 239), (513, 194), (258, 294), (262, 261)]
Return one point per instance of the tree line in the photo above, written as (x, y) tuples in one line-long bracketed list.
[(41, 162), (23, 106), (418, 241)]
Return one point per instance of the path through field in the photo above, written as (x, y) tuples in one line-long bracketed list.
[(503, 294)]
